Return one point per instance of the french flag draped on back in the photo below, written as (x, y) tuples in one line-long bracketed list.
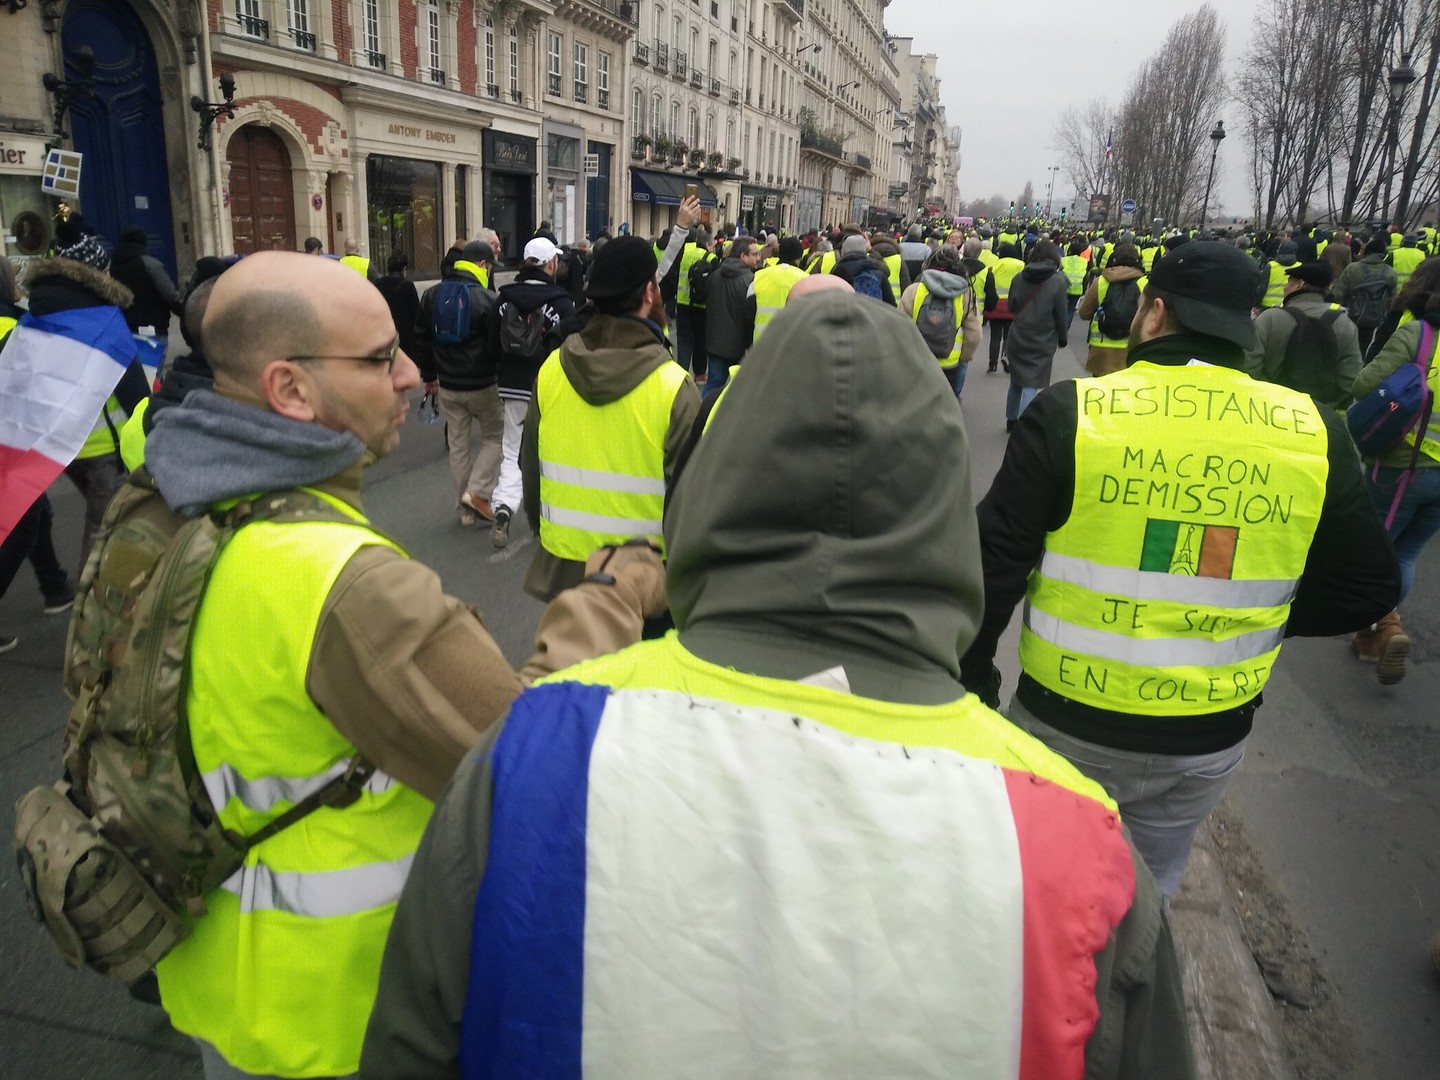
[(55, 373)]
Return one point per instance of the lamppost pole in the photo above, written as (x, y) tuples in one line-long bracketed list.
[(1217, 136), (1050, 190), (1399, 81)]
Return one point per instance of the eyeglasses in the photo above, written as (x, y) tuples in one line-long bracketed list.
[(388, 359)]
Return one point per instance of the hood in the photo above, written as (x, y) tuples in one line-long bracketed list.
[(884, 249), (61, 284), (127, 250), (611, 356), (730, 268), (210, 448), (803, 534), (1039, 270), (944, 284), (1113, 274), (533, 292)]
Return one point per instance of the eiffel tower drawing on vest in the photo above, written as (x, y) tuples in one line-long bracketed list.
[(1184, 561)]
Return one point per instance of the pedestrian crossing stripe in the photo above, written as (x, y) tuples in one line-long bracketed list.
[(1179, 547)]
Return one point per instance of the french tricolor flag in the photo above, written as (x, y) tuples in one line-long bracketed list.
[(56, 371), (681, 886)]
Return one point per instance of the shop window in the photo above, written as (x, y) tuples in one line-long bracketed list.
[(404, 212)]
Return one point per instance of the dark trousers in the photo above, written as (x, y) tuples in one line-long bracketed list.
[(999, 334), (97, 478), (690, 350), (31, 539)]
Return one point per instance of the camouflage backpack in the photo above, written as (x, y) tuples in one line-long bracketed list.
[(121, 851)]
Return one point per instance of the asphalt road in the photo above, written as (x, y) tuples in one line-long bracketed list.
[(1336, 791)]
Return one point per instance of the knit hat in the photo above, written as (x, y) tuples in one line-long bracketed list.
[(790, 250), (621, 267), (1287, 251), (854, 245), (90, 250)]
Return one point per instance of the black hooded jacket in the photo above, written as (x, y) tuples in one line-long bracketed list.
[(156, 297), (532, 290)]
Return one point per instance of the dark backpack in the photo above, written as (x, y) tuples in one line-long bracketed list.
[(700, 272), (522, 333), (868, 283), (937, 323), (1117, 312), (1369, 300), (452, 316), (1312, 356)]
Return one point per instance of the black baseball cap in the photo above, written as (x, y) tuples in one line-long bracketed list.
[(1318, 274), (1211, 287)]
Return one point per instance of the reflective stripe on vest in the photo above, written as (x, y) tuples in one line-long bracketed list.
[(1097, 338), (281, 973), (1166, 592), (358, 263), (946, 362), (1275, 290), (893, 262), (772, 289), (104, 437), (1073, 267), (602, 467)]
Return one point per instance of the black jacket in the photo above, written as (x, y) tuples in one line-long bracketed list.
[(532, 290), (404, 303), (850, 267), (469, 365), (156, 297), (730, 310), (1350, 579)]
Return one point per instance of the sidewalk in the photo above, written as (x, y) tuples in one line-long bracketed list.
[(1232, 1018)]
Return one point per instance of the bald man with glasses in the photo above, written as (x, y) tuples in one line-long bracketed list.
[(318, 643)]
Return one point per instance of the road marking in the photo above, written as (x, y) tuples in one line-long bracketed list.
[(509, 552)]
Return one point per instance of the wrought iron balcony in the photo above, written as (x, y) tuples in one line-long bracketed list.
[(492, 90), (642, 53), (303, 39), (734, 97), (258, 28), (517, 96), (697, 80), (437, 76), (602, 98), (682, 61), (662, 57), (375, 59), (582, 93), (714, 87), (552, 85)]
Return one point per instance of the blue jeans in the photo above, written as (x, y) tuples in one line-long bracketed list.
[(1163, 798), (1416, 520), (716, 375), (956, 375), (1018, 399)]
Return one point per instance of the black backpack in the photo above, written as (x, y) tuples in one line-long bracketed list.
[(1369, 300), (700, 272), (1312, 356), (937, 323), (1117, 311), (522, 334)]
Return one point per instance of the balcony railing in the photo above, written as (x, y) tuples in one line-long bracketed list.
[(734, 97), (375, 59), (714, 87), (437, 76), (642, 53), (813, 140), (798, 6), (681, 64), (697, 80), (492, 90), (582, 93), (552, 85), (863, 160), (517, 96), (602, 98), (303, 39), (662, 57), (258, 28)]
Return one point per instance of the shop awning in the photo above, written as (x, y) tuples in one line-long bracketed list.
[(666, 189)]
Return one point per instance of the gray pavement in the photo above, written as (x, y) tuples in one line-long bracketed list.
[(1333, 790)]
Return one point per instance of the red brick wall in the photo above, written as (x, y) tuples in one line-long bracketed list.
[(213, 11), (344, 32), (409, 50), (466, 36), (309, 119)]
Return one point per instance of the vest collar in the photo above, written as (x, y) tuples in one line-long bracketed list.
[(1177, 350)]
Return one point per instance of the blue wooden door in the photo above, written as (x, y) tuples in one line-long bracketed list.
[(120, 131)]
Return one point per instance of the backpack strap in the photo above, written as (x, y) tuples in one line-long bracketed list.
[(1426, 349)]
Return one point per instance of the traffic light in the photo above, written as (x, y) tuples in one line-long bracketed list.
[(1012, 208), (1062, 213), (1024, 208)]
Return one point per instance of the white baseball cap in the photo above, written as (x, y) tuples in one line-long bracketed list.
[(540, 250)]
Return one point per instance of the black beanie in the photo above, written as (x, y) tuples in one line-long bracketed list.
[(621, 267)]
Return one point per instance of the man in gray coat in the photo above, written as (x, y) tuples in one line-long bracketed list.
[(1275, 327)]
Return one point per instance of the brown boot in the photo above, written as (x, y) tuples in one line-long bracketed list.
[(1365, 645), (1392, 646)]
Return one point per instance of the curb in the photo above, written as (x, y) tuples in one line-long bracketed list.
[(1233, 1027)]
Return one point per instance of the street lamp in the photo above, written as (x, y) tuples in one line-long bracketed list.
[(209, 112), (1050, 190), (1399, 81), (65, 92), (1216, 138)]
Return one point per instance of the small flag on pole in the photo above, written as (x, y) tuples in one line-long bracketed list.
[(1109, 142)]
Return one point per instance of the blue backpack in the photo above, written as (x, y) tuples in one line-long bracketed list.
[(450, 317), (1383, 417), (867, 283)]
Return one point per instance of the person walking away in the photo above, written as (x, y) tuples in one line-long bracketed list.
[(609, 416), (1110, 304), (1366, 289), (533, 314), (942, 305), (1405, 259), (1272, 291), (1040, 327), (1075, 266), (1307, 344), (1405, 479), (156, 298), (452, 339), (888, 252), (730, 310), (914, 251), (1131, 666), (804, 747), (689, 316), (361, 264), (994, 292), (402, 299), (772, 284)]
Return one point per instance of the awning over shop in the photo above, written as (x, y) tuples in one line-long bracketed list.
[(667, 189)]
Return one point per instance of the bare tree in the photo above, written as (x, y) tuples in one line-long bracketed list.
[(1027, 195), (1080, 136)]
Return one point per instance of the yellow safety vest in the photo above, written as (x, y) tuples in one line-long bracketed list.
[(988, 257), (773, 260), (1275, 290), (359, 263), (892, 262), (772, 289), (132, 437), (1002, 273), (1147, 258), (1430, 443), (280, 975), (1074, 267), (1097, 338), (825, 264), (690, 254), (953, 358), (6, 325), (602, 467), (475, 270), (1197, 493), (1405, 260), (104, 437)]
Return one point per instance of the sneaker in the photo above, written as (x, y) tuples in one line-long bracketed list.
[(56, 605), (500, 534), (467, 516), (480, 507), (8, 643), (1005, 363), (990, 370)]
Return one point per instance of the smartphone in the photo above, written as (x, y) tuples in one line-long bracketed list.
[(692, 191)]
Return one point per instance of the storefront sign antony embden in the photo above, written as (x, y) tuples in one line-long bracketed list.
[(433, 135)]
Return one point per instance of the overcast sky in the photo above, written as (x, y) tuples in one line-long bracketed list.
[(1008, 71)]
